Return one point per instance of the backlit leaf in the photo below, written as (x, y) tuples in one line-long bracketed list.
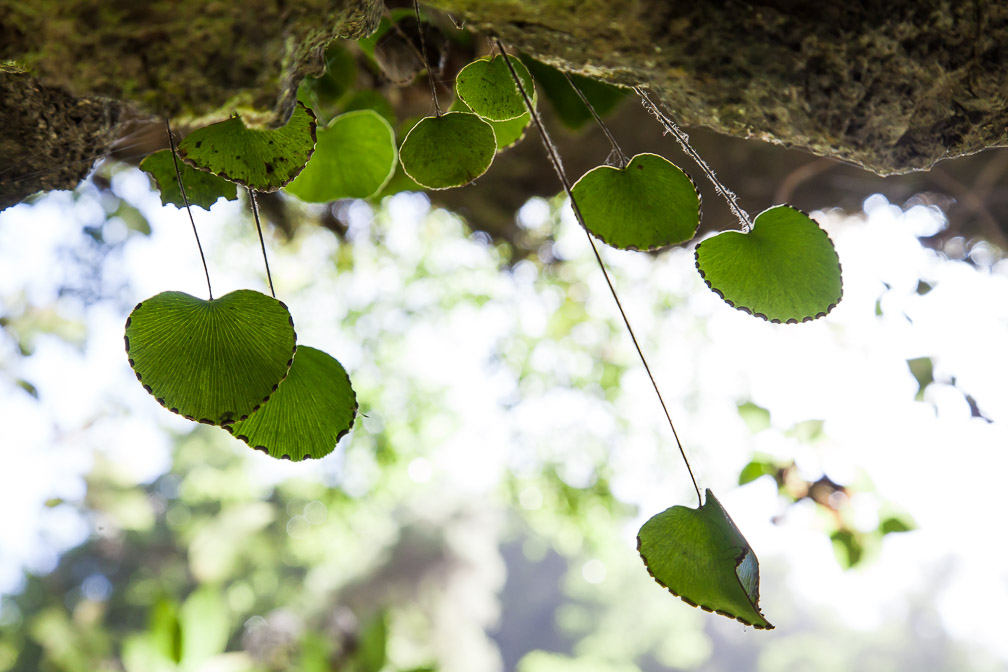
[(264, 160), (448, 151), (212, 361), (487, 88), (202, 189), (354, 158), (508, 133), (648, 205), (309, 413), (700, 556), (784, 270)]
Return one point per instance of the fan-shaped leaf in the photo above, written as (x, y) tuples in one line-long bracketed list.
[(312, 409), (487, 88), (203, 189), (354, 158), (264, 160), (213, 361), (648, 205), (448, 151), (784, 270), (508, 133), (700, 556)]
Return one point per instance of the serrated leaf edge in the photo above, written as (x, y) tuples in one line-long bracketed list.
[(206, 421), (265, 450), (161, 187), (749, 311), (657, 248), (312, 126), (452, 186), (738, 561)]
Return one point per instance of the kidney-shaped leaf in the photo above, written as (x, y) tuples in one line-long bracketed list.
[(699, 555), (354, 158), (648, 205), (202, 189), (312, 409), (448, 151), (784, 270), (486, 86), (264, 160), (212, 361)]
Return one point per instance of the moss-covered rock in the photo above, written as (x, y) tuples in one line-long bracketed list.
[(181, 58), (892, 86), (48, 138)]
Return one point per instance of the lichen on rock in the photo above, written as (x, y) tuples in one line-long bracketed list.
[(49, 138), (73, 67), (192, 59), (893, 87)]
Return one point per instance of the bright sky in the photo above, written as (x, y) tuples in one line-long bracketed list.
[(932, 458)]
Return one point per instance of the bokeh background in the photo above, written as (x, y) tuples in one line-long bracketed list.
[(482, 514)]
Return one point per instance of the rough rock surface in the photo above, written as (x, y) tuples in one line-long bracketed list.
[(48, 137), (892, 87), (190, 58)]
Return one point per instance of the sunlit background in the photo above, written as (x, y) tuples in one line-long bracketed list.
[(482, 514)]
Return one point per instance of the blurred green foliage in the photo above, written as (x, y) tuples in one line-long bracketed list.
[(355, 563), (852, 543)]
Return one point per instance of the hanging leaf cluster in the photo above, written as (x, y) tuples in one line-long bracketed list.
[(234, 361), (488, 116), (783, 269), (786, 271)]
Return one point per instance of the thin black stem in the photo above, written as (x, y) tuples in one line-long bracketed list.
[(185, 198), (554, 157), (408, 39), (255, 212), (598, 120), (683, 139), (426, 61)]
